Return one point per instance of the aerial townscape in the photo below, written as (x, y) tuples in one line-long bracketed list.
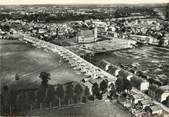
[(82, 60)]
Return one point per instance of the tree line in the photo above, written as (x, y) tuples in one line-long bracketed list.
[(127, 11), (16, 101)]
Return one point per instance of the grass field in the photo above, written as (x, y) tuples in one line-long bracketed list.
[(28, 62), (101, 46)]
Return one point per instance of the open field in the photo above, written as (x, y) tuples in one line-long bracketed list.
[(113, 44), (28, 62)]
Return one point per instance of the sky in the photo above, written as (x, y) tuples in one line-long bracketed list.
[(7, 2)]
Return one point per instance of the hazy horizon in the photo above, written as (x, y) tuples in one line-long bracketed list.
[(80, 2)]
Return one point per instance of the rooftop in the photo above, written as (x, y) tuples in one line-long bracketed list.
[(155, 108), (124, 73), (112, 69), (137, 96), (145, 102), (164, 88)]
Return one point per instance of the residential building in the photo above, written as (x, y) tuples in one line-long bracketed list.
[(141, 114), (136, 98), (146, 102), (141, 38), (104, 65), (164, 93), (159, 93), (166, 40), (97, 80), (114, 70), (139, 83), (87, 36), (155, 109)]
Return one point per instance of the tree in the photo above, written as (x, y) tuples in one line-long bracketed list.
[(128, 85), (26, 100), (119, 85), (87, 93), (84, 99), (50, 96), (78, 91), (148, 109), (6, 28), (75, 98), (103, 86), (161, 42), (69, 92), (60, 93), (113, 90), (31, 97), (99, 96), (44, 77), (5, 100), (40, 95), (95, 89), (21, 101), (122, 84)]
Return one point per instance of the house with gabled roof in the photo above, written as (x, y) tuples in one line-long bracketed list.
[(159, 93)]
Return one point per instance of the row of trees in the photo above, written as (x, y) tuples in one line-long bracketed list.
[(44, 96), (76, 92), (68, 92), (121, 85), (127, 11), (62, 94)]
